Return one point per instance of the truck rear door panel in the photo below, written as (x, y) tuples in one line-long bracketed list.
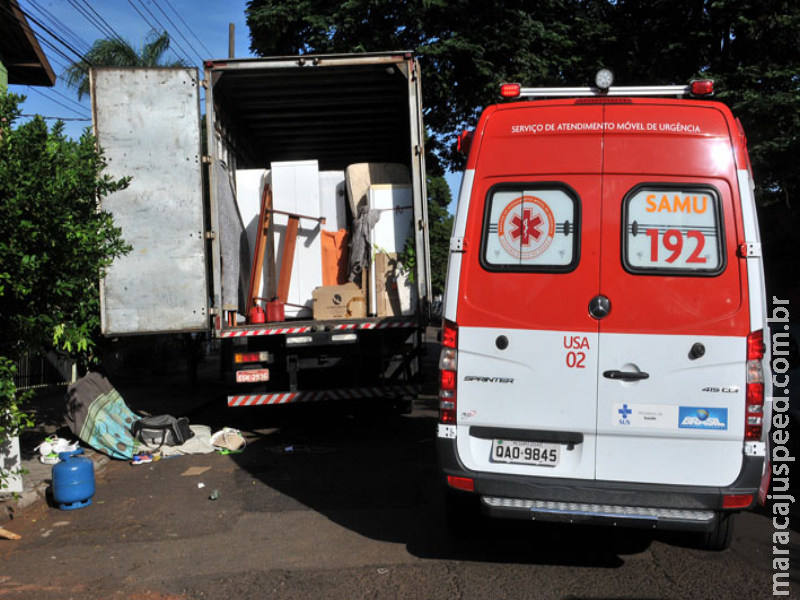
[(147, 122)]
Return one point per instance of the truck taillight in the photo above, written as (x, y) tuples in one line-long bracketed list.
[(448, 368), (754, 395), (250, 357)]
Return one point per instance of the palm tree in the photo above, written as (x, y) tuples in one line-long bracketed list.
[(118, 52)]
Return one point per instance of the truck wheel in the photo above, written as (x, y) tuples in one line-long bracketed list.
[(721, 536)]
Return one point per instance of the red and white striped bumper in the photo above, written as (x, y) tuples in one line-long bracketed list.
[(319, 395), (237, 333)]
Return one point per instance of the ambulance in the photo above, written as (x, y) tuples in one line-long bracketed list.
[(603, 356)]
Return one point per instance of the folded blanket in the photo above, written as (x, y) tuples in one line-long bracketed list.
[(98, 415)]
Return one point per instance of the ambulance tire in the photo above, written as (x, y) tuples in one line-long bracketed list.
[(721, 536), (463, 516)]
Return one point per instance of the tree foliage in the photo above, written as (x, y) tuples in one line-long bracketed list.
[(118, 52), (55, 244)]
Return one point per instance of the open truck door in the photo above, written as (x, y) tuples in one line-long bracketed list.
[(147, 121)]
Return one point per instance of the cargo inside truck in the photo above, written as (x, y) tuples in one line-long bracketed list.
[(335, 145)]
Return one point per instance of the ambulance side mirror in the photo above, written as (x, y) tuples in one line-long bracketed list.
[(464, 142)]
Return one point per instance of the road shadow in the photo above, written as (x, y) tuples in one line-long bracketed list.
[(376, 475)]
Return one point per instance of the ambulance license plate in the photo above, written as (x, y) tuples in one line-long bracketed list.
[(252, 375), (526, 453)]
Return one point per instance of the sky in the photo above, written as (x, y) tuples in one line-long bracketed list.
[(196, 28)]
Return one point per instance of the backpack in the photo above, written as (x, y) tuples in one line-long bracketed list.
[(162, 430)]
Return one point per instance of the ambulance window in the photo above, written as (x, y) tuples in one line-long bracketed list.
[(673, 230), (531, 228)]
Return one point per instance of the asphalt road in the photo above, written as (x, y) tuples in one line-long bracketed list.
[(326, 505)]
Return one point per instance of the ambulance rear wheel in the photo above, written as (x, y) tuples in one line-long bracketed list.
[(721, 536)]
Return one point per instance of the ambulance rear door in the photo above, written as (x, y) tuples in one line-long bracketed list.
[(527, 346), (672, 343)]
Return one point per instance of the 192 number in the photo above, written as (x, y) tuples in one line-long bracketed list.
[(672, 240)]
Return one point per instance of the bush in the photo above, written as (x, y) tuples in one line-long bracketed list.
[(55, 245)]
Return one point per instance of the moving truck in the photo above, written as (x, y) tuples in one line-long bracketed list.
[(604, 316), (297, 234)]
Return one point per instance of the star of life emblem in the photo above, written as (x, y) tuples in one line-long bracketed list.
[(526, 227)]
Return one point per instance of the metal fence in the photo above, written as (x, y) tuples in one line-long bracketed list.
[(42, 371)]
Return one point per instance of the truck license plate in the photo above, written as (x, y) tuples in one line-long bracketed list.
[(526, 453), (252, 376)]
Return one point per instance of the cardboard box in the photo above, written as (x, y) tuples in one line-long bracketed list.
[(339, 302), (387, 301)]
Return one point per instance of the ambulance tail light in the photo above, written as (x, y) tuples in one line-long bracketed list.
[(448, 368), (461, 483), (703, 87), (510, 90), (737, 500), (754, 395)]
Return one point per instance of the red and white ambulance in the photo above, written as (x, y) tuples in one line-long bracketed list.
[(603, 357)]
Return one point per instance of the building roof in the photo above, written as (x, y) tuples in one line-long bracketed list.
[(20, 51)]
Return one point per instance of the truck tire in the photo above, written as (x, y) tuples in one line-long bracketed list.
[(721, 536)]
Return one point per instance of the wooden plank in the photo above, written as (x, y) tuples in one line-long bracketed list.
[(289, 242), (9, 535), (262, 244)]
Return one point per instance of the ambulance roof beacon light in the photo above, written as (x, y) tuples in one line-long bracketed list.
[(510, 90), (703, 87), (604, 79)]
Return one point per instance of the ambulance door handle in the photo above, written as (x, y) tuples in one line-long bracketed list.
[(626, 375)]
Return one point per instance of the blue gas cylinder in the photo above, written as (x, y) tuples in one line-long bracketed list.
[(73, 480)]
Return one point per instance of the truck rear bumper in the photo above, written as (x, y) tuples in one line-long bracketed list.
[(600, 502), (358, 393)]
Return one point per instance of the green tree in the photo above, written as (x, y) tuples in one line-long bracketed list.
[(55, 245), (118, 52)]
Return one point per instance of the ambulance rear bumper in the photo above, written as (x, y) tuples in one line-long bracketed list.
[(691, 508)]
